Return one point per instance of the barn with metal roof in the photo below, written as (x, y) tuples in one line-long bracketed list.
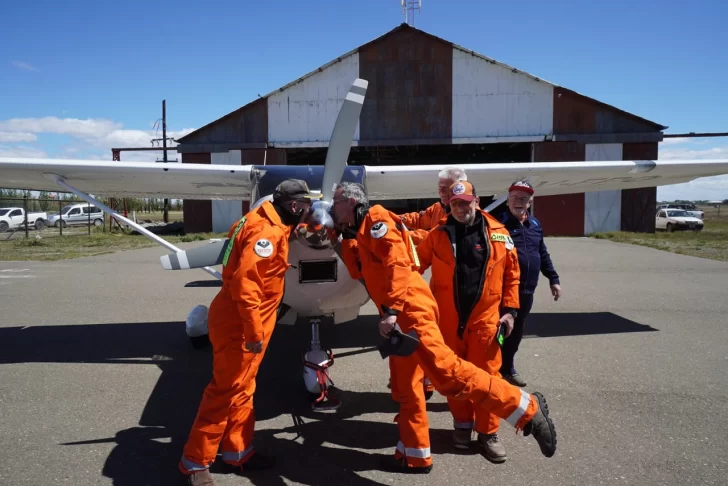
[(432, 101)]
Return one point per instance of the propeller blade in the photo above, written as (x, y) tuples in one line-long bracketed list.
[(203, 256), (342, 137)]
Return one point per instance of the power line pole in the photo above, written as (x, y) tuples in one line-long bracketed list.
[(164, 144)]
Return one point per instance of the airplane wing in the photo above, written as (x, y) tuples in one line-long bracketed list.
[(203, 181), (130, 179), (548, 178)]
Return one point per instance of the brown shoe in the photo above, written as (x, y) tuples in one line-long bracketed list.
[(461, 438), (494, 450), (200, 478)]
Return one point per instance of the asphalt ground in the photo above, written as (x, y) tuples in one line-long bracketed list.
[(99, 384)]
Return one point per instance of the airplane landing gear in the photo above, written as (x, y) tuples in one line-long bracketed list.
[(317, 363)]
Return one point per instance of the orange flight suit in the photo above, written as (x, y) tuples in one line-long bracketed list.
[(243, 310), (421, 223), (498, 289), (385, 256)]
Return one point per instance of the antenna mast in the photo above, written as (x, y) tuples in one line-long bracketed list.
[(408, 10)]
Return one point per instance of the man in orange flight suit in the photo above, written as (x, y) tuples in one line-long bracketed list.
[(475, 277), (421, 223), (241, 320), (376, 246)]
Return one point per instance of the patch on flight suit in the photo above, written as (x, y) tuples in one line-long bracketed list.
[(503, 239), (378, 230), (263, 248)]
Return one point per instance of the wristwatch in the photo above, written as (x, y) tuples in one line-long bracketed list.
[(512, 312)]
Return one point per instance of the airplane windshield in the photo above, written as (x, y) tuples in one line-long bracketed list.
[(678, 213), (3, 212)]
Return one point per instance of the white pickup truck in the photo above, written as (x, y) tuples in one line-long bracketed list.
[(12, 218)]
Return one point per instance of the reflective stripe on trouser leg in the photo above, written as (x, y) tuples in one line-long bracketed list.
[(237, 458), (463, 425), (189, 467), (412, 421), (518, 413), (416, 457)]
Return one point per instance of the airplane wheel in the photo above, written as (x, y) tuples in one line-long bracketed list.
[(200, 342)]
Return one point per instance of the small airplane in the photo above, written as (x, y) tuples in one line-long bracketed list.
[(318, 283)]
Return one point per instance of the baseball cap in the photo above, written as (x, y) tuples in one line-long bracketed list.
[(521, 186), (463, 191), (294, 189)]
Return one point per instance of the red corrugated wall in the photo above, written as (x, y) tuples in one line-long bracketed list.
[(559, 215), (197, 214)]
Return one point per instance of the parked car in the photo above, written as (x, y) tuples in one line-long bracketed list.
[(77, 214), (677, 220), (690, 208), (12, 218)]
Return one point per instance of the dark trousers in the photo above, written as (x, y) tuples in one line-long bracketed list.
[(510, 345)]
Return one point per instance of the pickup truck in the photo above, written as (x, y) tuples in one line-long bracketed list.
[(12, 218)]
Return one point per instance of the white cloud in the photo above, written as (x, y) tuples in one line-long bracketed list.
[(22, 152), (15, 137), (95, 137), (706, 188), (24, 66)]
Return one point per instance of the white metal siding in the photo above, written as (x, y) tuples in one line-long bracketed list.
[(225, 213), (307, 111), (603, 209), (491, 101)]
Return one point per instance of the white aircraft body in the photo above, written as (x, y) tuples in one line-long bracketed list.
[(318, 283)]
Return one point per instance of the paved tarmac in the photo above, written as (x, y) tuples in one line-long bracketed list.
[(99, 384)]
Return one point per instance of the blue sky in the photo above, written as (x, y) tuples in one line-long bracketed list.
[(80, 77)]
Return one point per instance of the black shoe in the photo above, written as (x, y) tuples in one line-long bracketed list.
[(542, 427), (390, 464)]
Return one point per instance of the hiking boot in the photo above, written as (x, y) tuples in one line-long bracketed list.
[(494, 450), (392, 464), (542, 427), (515, 379), (461, 438), (200, 478)]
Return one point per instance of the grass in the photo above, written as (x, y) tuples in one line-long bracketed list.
[(711, 243), (76, 246)]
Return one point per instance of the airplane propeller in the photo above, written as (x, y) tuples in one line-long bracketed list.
[(334, 167)]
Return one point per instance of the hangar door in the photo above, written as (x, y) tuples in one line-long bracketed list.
[(603, 209)]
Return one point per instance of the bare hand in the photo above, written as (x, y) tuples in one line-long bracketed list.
[(254, 347), (386, 324), (508, 321), (556, 291)]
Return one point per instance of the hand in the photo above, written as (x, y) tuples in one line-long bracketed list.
[(386, 324), (556, 291), (508, 321), (254, 347)]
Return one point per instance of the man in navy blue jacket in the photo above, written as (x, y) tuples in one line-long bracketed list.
[(533, 258)]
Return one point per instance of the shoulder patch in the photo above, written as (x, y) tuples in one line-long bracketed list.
[(263, 248), (379, 229)]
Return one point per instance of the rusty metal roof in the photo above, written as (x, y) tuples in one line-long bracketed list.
[(399, 28)]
